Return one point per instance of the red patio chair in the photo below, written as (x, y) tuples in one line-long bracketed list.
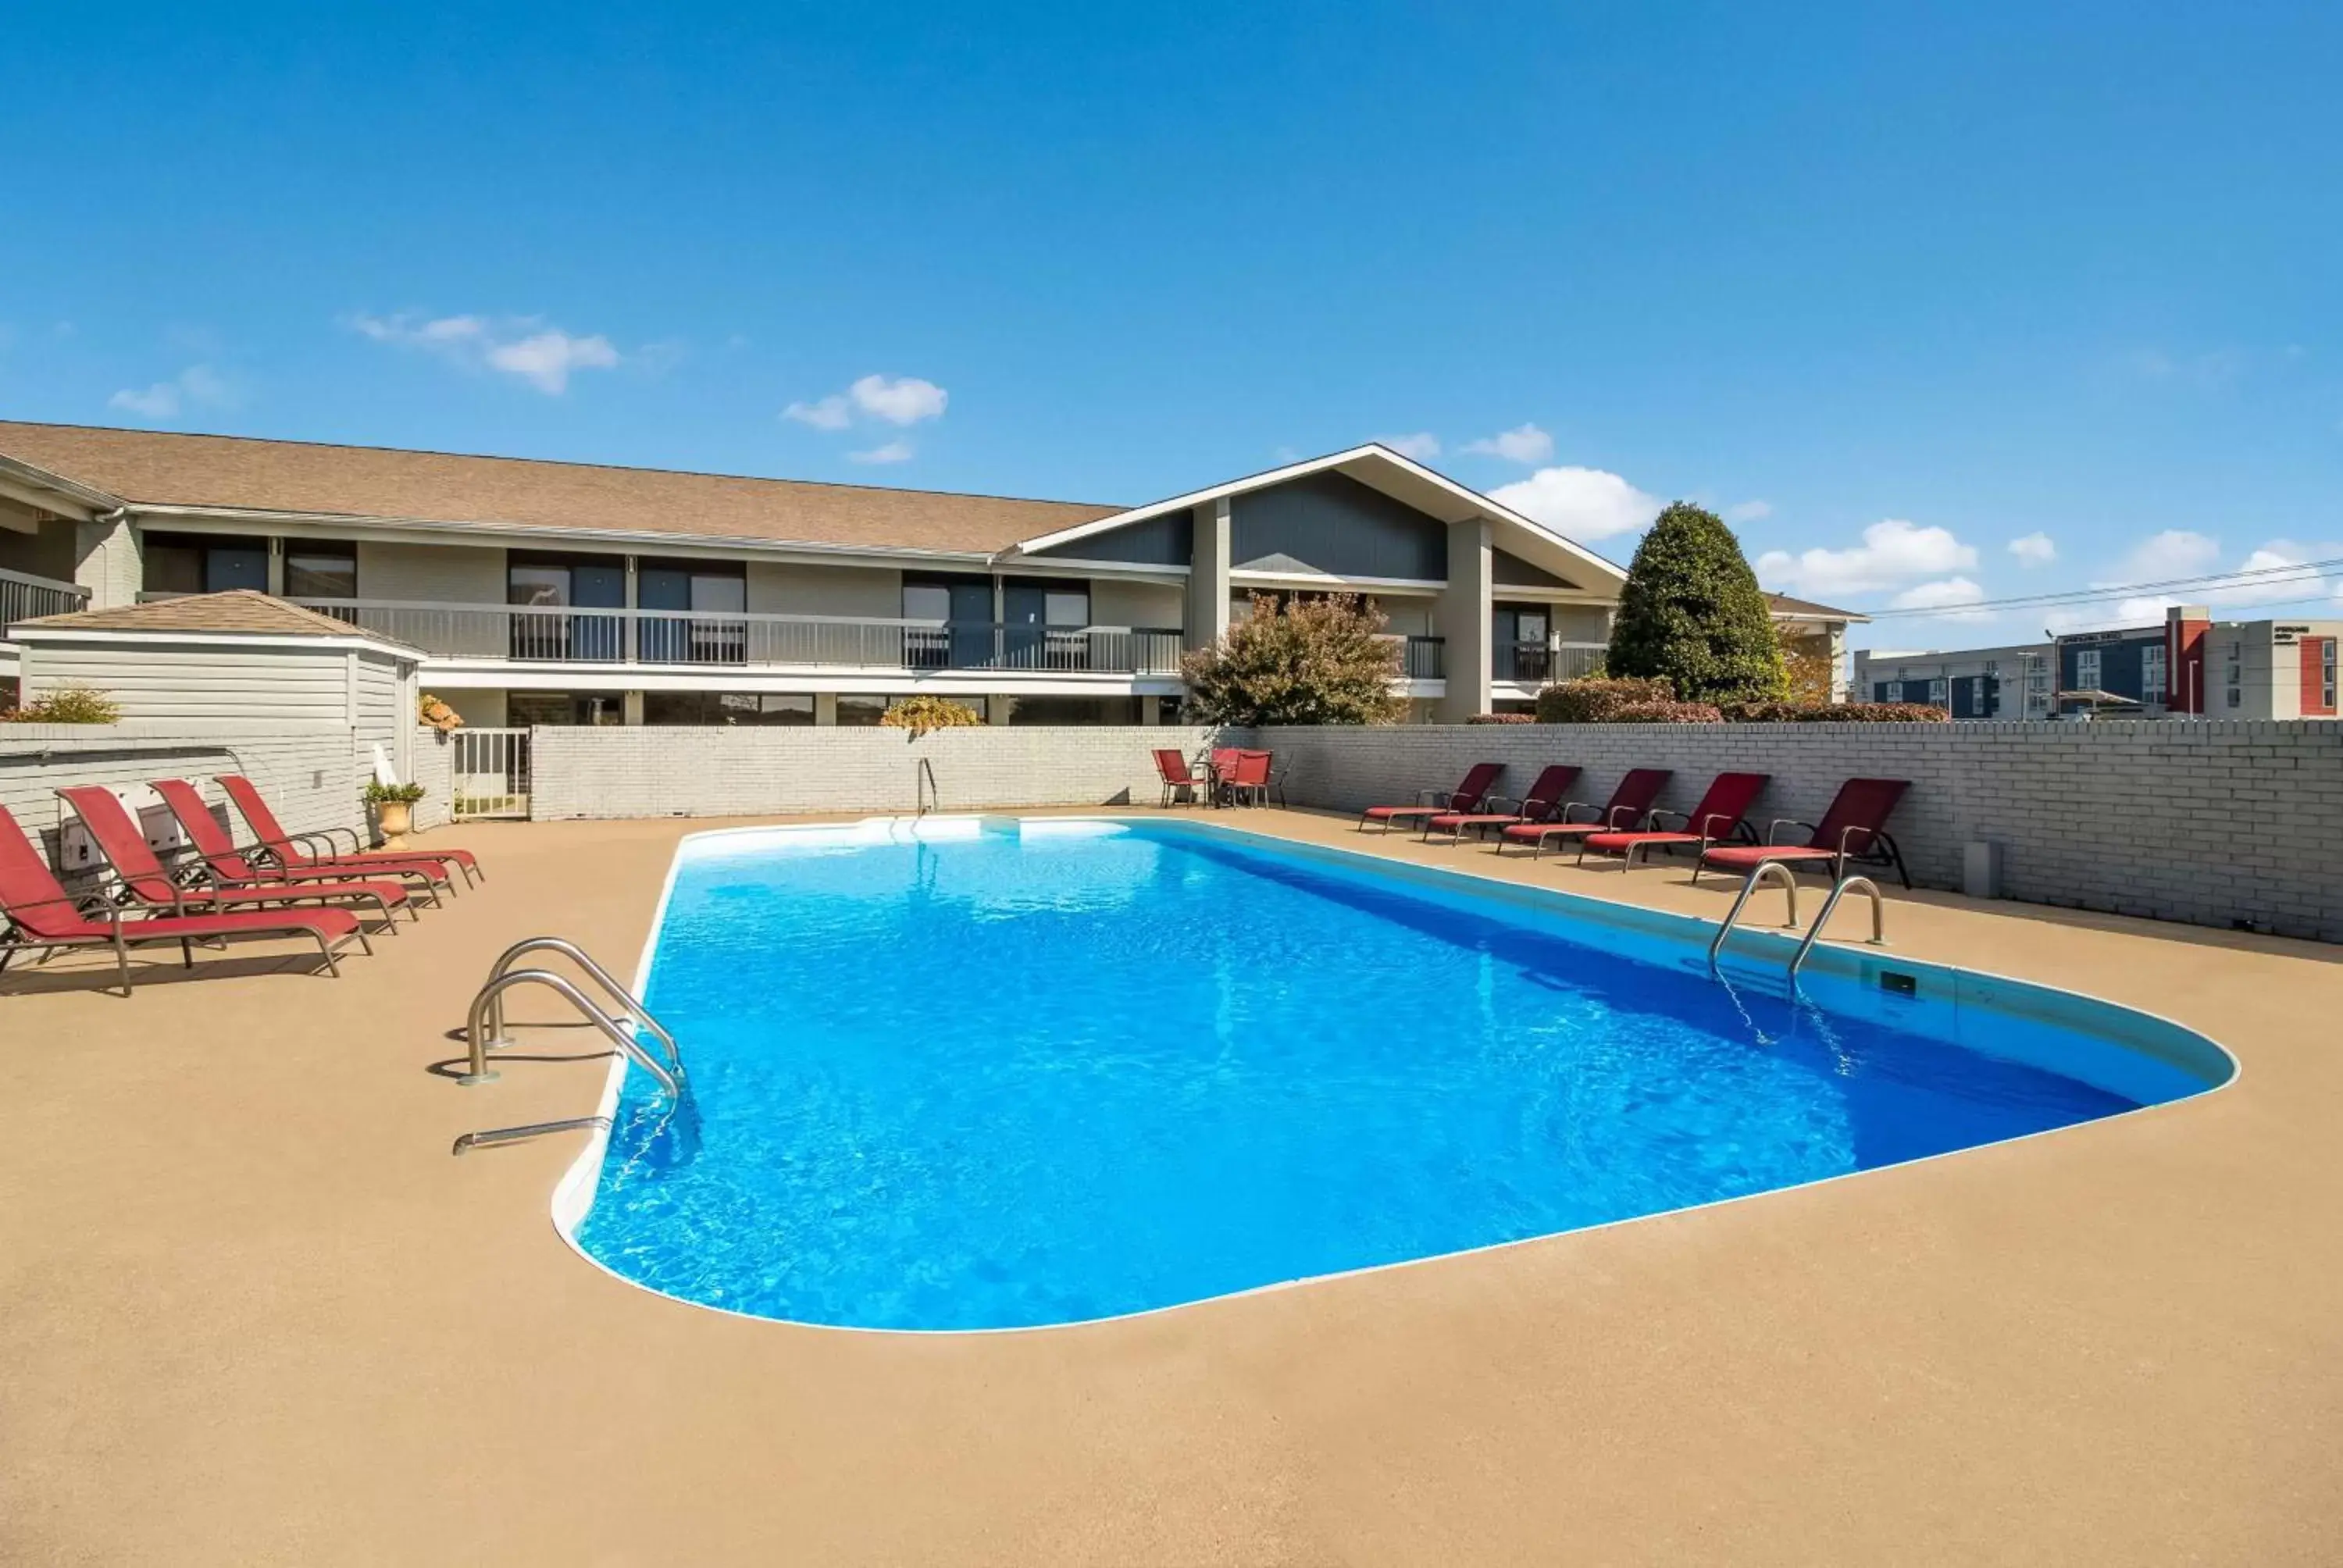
[(124, 844), (1252, 778), (1176, 773), (1852, 831), (1466, 797), (1719, 816), (1629, 805), (41, 916), (220, 853), (290, 850), (1543, 803)]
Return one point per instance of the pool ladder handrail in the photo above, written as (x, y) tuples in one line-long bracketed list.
[(927, 795), (484, 1024), (1772, 871)]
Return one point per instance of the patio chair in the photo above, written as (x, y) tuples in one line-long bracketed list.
[(1853, 831), (1629, 804), (42, 916), (1721, 815), (1252, 776), (1543, 803), (228, 865), (1176, 773), (290, 849), (143, 880), (1466, 798)]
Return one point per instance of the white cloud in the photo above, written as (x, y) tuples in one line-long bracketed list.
[(2035, 549), (2180, 553), (830, 413), (897, 451), (905, 400), (1893, 550), (196, 387), (1420, 445), (2174, 553), (1748, 511), (1582, 503), (1522, 443), (1946, 594), (522, 345)]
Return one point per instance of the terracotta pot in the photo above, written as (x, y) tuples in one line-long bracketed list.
[(397, 816)]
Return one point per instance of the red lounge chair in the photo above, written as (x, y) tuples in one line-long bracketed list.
[(1719, 816), (41, 914), (124, 844), (288, 850), (1466, 798), (1176, 773), (1629, 804), (1543, 803), (1855, 829), (219, 851)]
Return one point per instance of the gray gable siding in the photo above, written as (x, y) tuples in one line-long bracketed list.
[(1337, 525), (1165, 540), (1512, 569)]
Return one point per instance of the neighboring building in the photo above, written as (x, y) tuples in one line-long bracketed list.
[(1815, 630), (2012, 682), (2250, 669), (551, 593)]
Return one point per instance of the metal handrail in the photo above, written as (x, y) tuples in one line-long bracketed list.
[(636, 1013), (496, 1135), (1814, 933), (930, 795), (1765, 870), (619, 1034)]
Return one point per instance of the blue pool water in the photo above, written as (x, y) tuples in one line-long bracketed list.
[(1003, 1078)]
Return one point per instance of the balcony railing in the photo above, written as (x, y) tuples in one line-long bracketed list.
[(567, 635), (23, 596), (1541, 663), (1423, 657)]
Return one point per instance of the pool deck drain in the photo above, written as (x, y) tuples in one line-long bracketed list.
[(250, 1312)]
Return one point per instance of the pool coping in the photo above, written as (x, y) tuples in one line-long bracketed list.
[(573, 1194)]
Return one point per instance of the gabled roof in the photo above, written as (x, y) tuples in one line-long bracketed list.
[(1430, 492), (376, 483), (239, 612), (1785, 607)]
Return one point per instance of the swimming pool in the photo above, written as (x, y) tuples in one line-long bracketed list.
[(987, 1073)]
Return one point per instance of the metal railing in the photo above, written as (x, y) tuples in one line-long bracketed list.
[(490, 772), (23, 597), (1778, 871), (484, 1025), (1424, 659), (1545, 661), (1814, 933), (1763, 872), (585, 634)]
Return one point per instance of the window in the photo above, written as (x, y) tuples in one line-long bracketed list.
[(2151, 673), (2326, 674), (1937, 697), (729, 708), (523, 709), (321, 569), (543, 582), (861, 710), (2086, 669), (2236, 698), (706, 588), (203, 563), (1074, 710)]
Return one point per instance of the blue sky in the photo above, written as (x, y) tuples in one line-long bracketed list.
[(1893, 286)]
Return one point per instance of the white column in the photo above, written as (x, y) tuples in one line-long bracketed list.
[(1465, 606), (107, 562), (825, 709), (1208, 575)]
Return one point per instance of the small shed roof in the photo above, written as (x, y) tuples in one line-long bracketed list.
[(239, 612)]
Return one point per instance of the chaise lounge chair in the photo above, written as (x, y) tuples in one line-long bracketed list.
[(1629, 804), (289, 851), (220, 855), (1854, 830), (124, 844), (1466, 798), (1543, 803), (41, 916), (1719, 816)]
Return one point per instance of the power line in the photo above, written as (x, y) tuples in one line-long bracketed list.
[(2260, 576)]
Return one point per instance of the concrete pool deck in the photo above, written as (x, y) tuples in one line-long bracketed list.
[(252, 1311)]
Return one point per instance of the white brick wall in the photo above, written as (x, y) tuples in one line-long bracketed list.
[(584, 771), (2206, 822)]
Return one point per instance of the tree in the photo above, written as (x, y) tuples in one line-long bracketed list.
[(1306, 661), (1807, 664), (1692, 612)]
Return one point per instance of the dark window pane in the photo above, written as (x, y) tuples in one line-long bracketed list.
[(321, 571), (861, 710), (530, 584), (663, 588), (237, 565), (172, 567)]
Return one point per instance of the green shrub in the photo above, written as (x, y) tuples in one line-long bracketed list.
[(1664, 713), (1593, 701), (67, 704), (1503, 719), (1691, 612), (377, 793), (1306, 661), (923, 712), (1836, 713)]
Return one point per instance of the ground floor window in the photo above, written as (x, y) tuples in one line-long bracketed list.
[(525, 709), (853, 709), (1073, 710), (733, 708)]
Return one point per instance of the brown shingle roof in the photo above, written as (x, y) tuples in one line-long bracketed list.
[(380, 482), (243, 611), (1783, 604)]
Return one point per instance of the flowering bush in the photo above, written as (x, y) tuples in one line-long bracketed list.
[(66, 705), (1663, 713), (1593, 702), (1298, 661), (1836, 713), (1503, 719), (433, 714), (922, 713)]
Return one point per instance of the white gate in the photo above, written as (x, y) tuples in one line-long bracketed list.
[(491, 772)]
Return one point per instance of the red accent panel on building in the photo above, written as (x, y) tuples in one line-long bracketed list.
[(2314, 675), (2184, 666)]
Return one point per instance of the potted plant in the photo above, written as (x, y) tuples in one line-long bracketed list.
[(394, 807)]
